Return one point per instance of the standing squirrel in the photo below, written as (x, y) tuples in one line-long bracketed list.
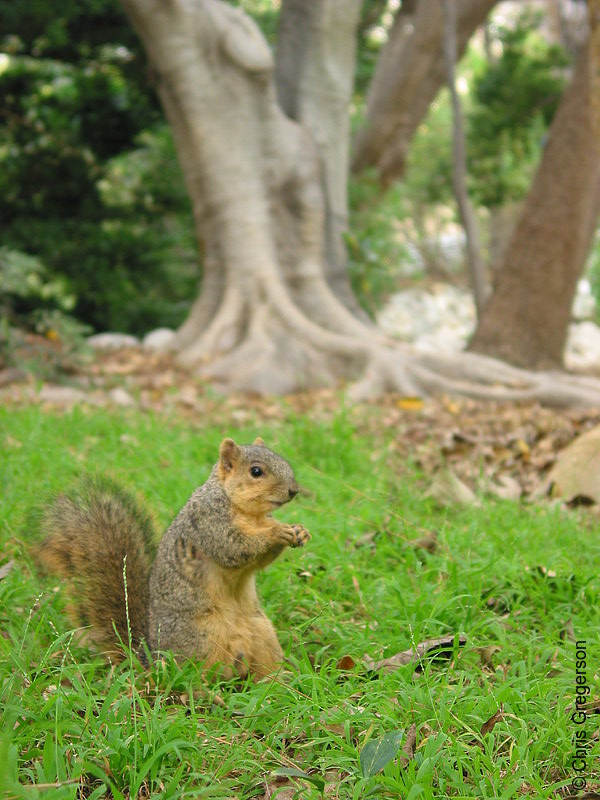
[(197, 595)]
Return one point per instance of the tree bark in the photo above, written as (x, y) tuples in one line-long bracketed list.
[(526, 320), (314, 76), (267, 320), (409, 74), (459, 163), (594, 17)]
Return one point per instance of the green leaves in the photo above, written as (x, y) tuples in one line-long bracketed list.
[(377, 753), (291, 772)]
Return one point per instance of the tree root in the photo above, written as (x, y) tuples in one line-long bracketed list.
[(280, 350)]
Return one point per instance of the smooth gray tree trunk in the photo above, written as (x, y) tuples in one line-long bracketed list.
[(267, 319), (459, 163), (314, 76)]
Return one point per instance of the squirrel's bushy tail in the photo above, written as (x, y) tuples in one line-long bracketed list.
[(100, 538)]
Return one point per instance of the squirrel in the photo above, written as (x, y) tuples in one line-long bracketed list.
[(195, 595)]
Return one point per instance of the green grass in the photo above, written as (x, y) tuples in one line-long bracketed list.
[(74, 727)]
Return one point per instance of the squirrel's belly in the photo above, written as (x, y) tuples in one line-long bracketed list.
[(240, 640)]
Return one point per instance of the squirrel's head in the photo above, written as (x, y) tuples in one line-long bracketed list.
[(255, 478)]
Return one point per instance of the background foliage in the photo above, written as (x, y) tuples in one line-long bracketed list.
[(91, 190)]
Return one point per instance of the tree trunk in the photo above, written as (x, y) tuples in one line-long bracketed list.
[(314, 75), (526, 320), (409, 74), (594, 13), (459, 163), (267, 320)]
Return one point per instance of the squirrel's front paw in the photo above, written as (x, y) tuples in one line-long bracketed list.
[(295, 535)]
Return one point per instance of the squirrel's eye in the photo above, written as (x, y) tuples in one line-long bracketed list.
[(256, 472)]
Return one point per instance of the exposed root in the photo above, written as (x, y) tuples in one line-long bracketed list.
[(221, 335), (279, 349)]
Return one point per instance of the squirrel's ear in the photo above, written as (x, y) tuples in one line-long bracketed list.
[(259, 441), (229, 453)]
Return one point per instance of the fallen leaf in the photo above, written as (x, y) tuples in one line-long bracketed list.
[(430, 647), (410, 403), (279, 790), (410, 743), (489, 724), (6, 568), (568, 631), (593, 707), (523, 449), (366, 540), (346, 663), (428, 542), (487, 654)]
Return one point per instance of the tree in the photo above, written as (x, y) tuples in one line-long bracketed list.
[(459, 163), (525, 321), (267, 318), (409, 74)]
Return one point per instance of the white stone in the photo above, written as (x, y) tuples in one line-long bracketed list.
[(112, 341), (121, 397), (158, 339), (61, 395), (583, 346), (442, 319), (584, 304)]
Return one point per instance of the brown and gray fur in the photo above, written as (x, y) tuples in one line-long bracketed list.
[(199, 597)]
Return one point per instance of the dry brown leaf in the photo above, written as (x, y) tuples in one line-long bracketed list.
[(489, 724), (487, 654), (428, 542), (410, 744), (411, 403), (366, 540), (6, 568), (429, 647), (346, 663), (281, 789), (334, 727), (568, 631)]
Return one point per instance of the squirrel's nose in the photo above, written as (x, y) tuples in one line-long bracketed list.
[(293, 491)]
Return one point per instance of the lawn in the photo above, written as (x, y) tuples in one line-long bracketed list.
[(520, 582)]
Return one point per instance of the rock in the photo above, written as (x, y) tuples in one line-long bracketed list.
[(12, 375), (112, 341), (584, 304), (121, 397), (447, 489), (159, 339), (443, 318), (583, 346), (64, 396)]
